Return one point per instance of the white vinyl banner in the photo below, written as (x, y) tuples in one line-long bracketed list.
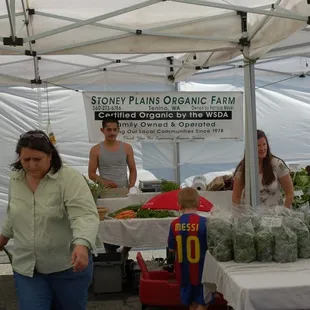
[(166, 116)]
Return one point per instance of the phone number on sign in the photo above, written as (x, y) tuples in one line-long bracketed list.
[(107, 108)]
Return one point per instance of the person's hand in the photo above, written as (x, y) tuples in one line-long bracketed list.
[(79, 258), (109, 184), (3, 242)]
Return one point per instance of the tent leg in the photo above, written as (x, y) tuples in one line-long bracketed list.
[(251, 152), (11, 15), (177, 170)]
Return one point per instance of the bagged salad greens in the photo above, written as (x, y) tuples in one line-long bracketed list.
[(264, 243), (219, 228), (299, 227), (243, 235), (286, 242), (264, 237)]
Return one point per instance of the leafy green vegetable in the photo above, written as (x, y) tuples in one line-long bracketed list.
[(307, 219), (301, 181), (220, 239), (144, 213), (96, 189), (243, 241), (286, 247), (264, 242), (303, 235), (301, 178), (147, 213), (168, 186)]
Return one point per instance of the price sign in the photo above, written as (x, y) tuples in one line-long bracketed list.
[(271, 221)]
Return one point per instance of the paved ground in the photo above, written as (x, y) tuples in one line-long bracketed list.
[(117, 301), (107, 301)]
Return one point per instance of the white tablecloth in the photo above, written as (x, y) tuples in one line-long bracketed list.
[(144, 233), (136, 233), (258, 286)]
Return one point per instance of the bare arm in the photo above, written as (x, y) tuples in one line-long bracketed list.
[(237, 191), (287, 185), (131, 166), (93, 166)]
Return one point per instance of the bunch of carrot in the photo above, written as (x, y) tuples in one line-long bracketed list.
[(128, 214)]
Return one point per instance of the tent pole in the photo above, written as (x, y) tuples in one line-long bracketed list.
[(239, 8), (11, 15), (251, 152), (177, 171)]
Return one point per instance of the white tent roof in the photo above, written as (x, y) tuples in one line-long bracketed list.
[(92, 38)]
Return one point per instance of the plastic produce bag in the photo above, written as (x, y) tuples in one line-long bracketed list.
[(307, 219), (298, 226), (264, 243), (243, 235), (244, 213), (306, 213), (286, 246), (264, 237), (220, 244), (286, 249)]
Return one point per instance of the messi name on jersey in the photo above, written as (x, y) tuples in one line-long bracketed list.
[(186, 227)]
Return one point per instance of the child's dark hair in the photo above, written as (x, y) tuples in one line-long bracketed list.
[(37, 140), (110, 120)]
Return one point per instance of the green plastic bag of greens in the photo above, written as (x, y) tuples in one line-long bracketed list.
[(264, 244), (220, 238), (307, 219), (286, 247), (264, 237), (244, 241), (299, 227)]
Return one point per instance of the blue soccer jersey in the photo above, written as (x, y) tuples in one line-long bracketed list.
[(188, 237)]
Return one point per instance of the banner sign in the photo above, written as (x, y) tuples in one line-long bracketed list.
[(166, 116)]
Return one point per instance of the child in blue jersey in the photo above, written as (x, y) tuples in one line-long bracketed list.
[(188, 239)]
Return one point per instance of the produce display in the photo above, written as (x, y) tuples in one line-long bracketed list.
[(299, 227), (168, 186), (277, 234), (220, 238), (285, 250), (96, 189), (301, 181), (135, 211), (264, 243), (244, 241), (129, 214)]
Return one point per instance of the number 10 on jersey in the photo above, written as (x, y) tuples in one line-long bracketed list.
[(192, 242)]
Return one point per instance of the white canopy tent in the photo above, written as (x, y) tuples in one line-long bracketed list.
[(129, 37), (41, 28)]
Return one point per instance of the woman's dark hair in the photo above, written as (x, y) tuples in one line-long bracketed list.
[(37, 140), (268, 173)]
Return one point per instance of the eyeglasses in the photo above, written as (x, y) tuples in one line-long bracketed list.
[(34, 136)]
